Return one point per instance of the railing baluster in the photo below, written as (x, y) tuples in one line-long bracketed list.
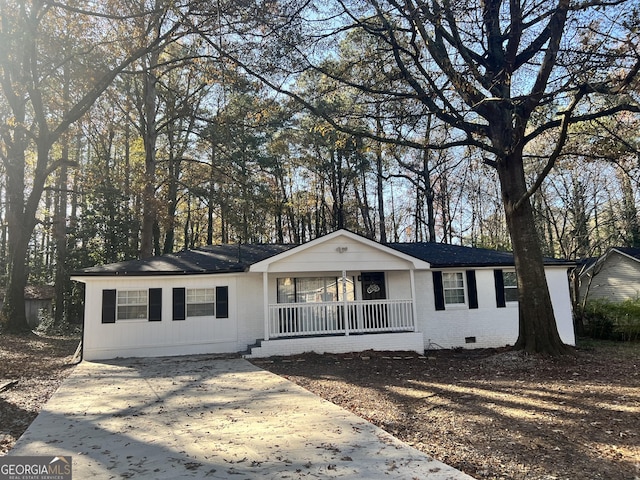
[(296, 319)]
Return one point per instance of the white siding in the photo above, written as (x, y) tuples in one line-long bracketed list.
[(398, 286), (491, 326), (140, 338), (337, 254), (250, 311)]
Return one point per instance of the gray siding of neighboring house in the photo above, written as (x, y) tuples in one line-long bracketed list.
[(618, 280), (37, 308)]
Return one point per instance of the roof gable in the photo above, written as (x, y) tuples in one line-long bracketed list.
[(630, 253), (343, 249)]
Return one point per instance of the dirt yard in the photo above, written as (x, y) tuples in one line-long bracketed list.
[(31, 370), (494, 414), (491, 413)]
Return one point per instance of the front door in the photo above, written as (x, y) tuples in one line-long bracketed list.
[(374, 315), (373, 286)]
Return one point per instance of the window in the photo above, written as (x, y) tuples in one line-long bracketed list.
[(453, 288), (314, 289), (510, 281), (200, 302), (131, 305)]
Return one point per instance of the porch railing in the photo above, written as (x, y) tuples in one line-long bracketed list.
[(328, 318)]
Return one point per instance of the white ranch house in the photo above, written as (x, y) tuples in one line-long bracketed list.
[(339, 293)]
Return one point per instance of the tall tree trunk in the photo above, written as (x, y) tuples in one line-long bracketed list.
[(172, 203), (212, 191), (429, 199), (149, 211), (61, 282), (21, 221), (538, 331), (19, 232), (379, 179), (3, 233), (630, 222), (60, 233)]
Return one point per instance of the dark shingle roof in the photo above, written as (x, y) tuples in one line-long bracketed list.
[(631, 251), (209, 259), (238, 258), (445, 255), (441, 255)]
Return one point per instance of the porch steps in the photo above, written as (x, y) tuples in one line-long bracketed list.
[(249, 351), (383, 341)]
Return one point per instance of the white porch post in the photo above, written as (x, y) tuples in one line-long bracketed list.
[(414, 308), (344, 301), (265, 296)]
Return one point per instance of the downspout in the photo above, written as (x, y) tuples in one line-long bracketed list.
[(79, 353)]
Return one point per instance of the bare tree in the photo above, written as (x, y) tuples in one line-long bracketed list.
[(500, 73)]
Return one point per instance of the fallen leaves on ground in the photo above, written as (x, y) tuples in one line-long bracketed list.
[(32, 368), (494, 414)]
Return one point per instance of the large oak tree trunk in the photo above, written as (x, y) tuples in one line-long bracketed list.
[(21, 223), (19, 233), (538, 331), (13, 309)]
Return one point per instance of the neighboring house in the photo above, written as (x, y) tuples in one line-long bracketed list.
[(338, 293), (38, 303), (614, 276)]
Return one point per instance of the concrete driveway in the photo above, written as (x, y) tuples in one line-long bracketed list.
[(204, 417)]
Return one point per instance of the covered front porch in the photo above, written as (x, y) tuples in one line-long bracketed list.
[(339, 293), (340, 318)]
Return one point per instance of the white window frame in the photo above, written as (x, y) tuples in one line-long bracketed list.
[(132, 300), (505, 286), (199, 298), (462, 286)]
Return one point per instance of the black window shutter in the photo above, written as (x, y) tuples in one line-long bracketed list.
[(438, 293), (472, 289), (108, 306), (499, 283), (179, 310), (222, 302), (155, 304)]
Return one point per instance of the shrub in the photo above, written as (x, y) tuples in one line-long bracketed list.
[(607, 320)]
